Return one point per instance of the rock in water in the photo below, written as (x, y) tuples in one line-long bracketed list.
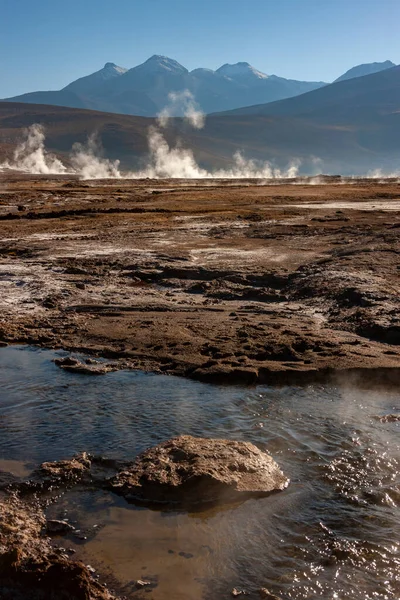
[(389, 418), (267, 595), (67, 471), (89, 367), (187, 470), (56, 527)]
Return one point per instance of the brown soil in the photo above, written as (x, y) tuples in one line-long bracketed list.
[(218, 281)]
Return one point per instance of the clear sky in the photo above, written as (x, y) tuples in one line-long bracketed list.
[(46, 44)]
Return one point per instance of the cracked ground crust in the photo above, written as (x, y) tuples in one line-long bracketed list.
[(220, 281)]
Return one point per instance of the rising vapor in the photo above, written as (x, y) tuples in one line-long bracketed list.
[(180, 163), (87, 161), (31, 155), (182, 103)]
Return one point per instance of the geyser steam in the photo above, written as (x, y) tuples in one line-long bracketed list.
[(182, 103), (31, 155), (166, 162), (87, 160)]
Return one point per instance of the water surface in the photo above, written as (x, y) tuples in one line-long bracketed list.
[(334, 533)]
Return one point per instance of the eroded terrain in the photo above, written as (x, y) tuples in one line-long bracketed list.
[(216, 280)]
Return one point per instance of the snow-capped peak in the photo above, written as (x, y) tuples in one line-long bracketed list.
[(112, 67), (163, 63), (241, 69)]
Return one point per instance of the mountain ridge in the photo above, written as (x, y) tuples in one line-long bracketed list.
[(144, 89), (380, 90), (332, 145), (348, 127), (365, 69)]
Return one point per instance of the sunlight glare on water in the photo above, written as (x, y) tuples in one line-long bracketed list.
[(334, 533)]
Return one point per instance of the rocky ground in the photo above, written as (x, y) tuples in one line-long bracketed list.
[(219, 281), (214, 280)]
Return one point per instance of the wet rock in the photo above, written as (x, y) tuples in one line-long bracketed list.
[(267, 595), (92, 367), (53, 475), (80, 536), (91, 569), (55, 527), (29, 567), (68, 361), (140, 583), (187, 470), (236, 592), (63, 472), (389, 418), (83, 468)]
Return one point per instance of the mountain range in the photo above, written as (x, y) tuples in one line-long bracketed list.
[(349, 126), (345, 101), (144, 89)]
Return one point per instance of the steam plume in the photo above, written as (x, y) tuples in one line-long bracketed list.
[(381, 174), (88, 162), (31, 155), (249, 168), (182, 103), (166, 162)]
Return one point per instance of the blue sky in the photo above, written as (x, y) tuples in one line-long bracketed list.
[(45, 44)]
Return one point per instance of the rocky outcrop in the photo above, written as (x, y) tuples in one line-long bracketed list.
[(187, 470)]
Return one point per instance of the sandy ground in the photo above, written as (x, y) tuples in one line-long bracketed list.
[(218, 281)]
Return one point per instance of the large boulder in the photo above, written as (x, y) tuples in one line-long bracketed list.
[(187, 470)]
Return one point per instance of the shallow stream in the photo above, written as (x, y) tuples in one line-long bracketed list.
[(334, 533)]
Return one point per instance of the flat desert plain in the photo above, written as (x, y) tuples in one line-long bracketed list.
[(221, 281)]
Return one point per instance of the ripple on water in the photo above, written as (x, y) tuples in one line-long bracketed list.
[(334, 533)]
